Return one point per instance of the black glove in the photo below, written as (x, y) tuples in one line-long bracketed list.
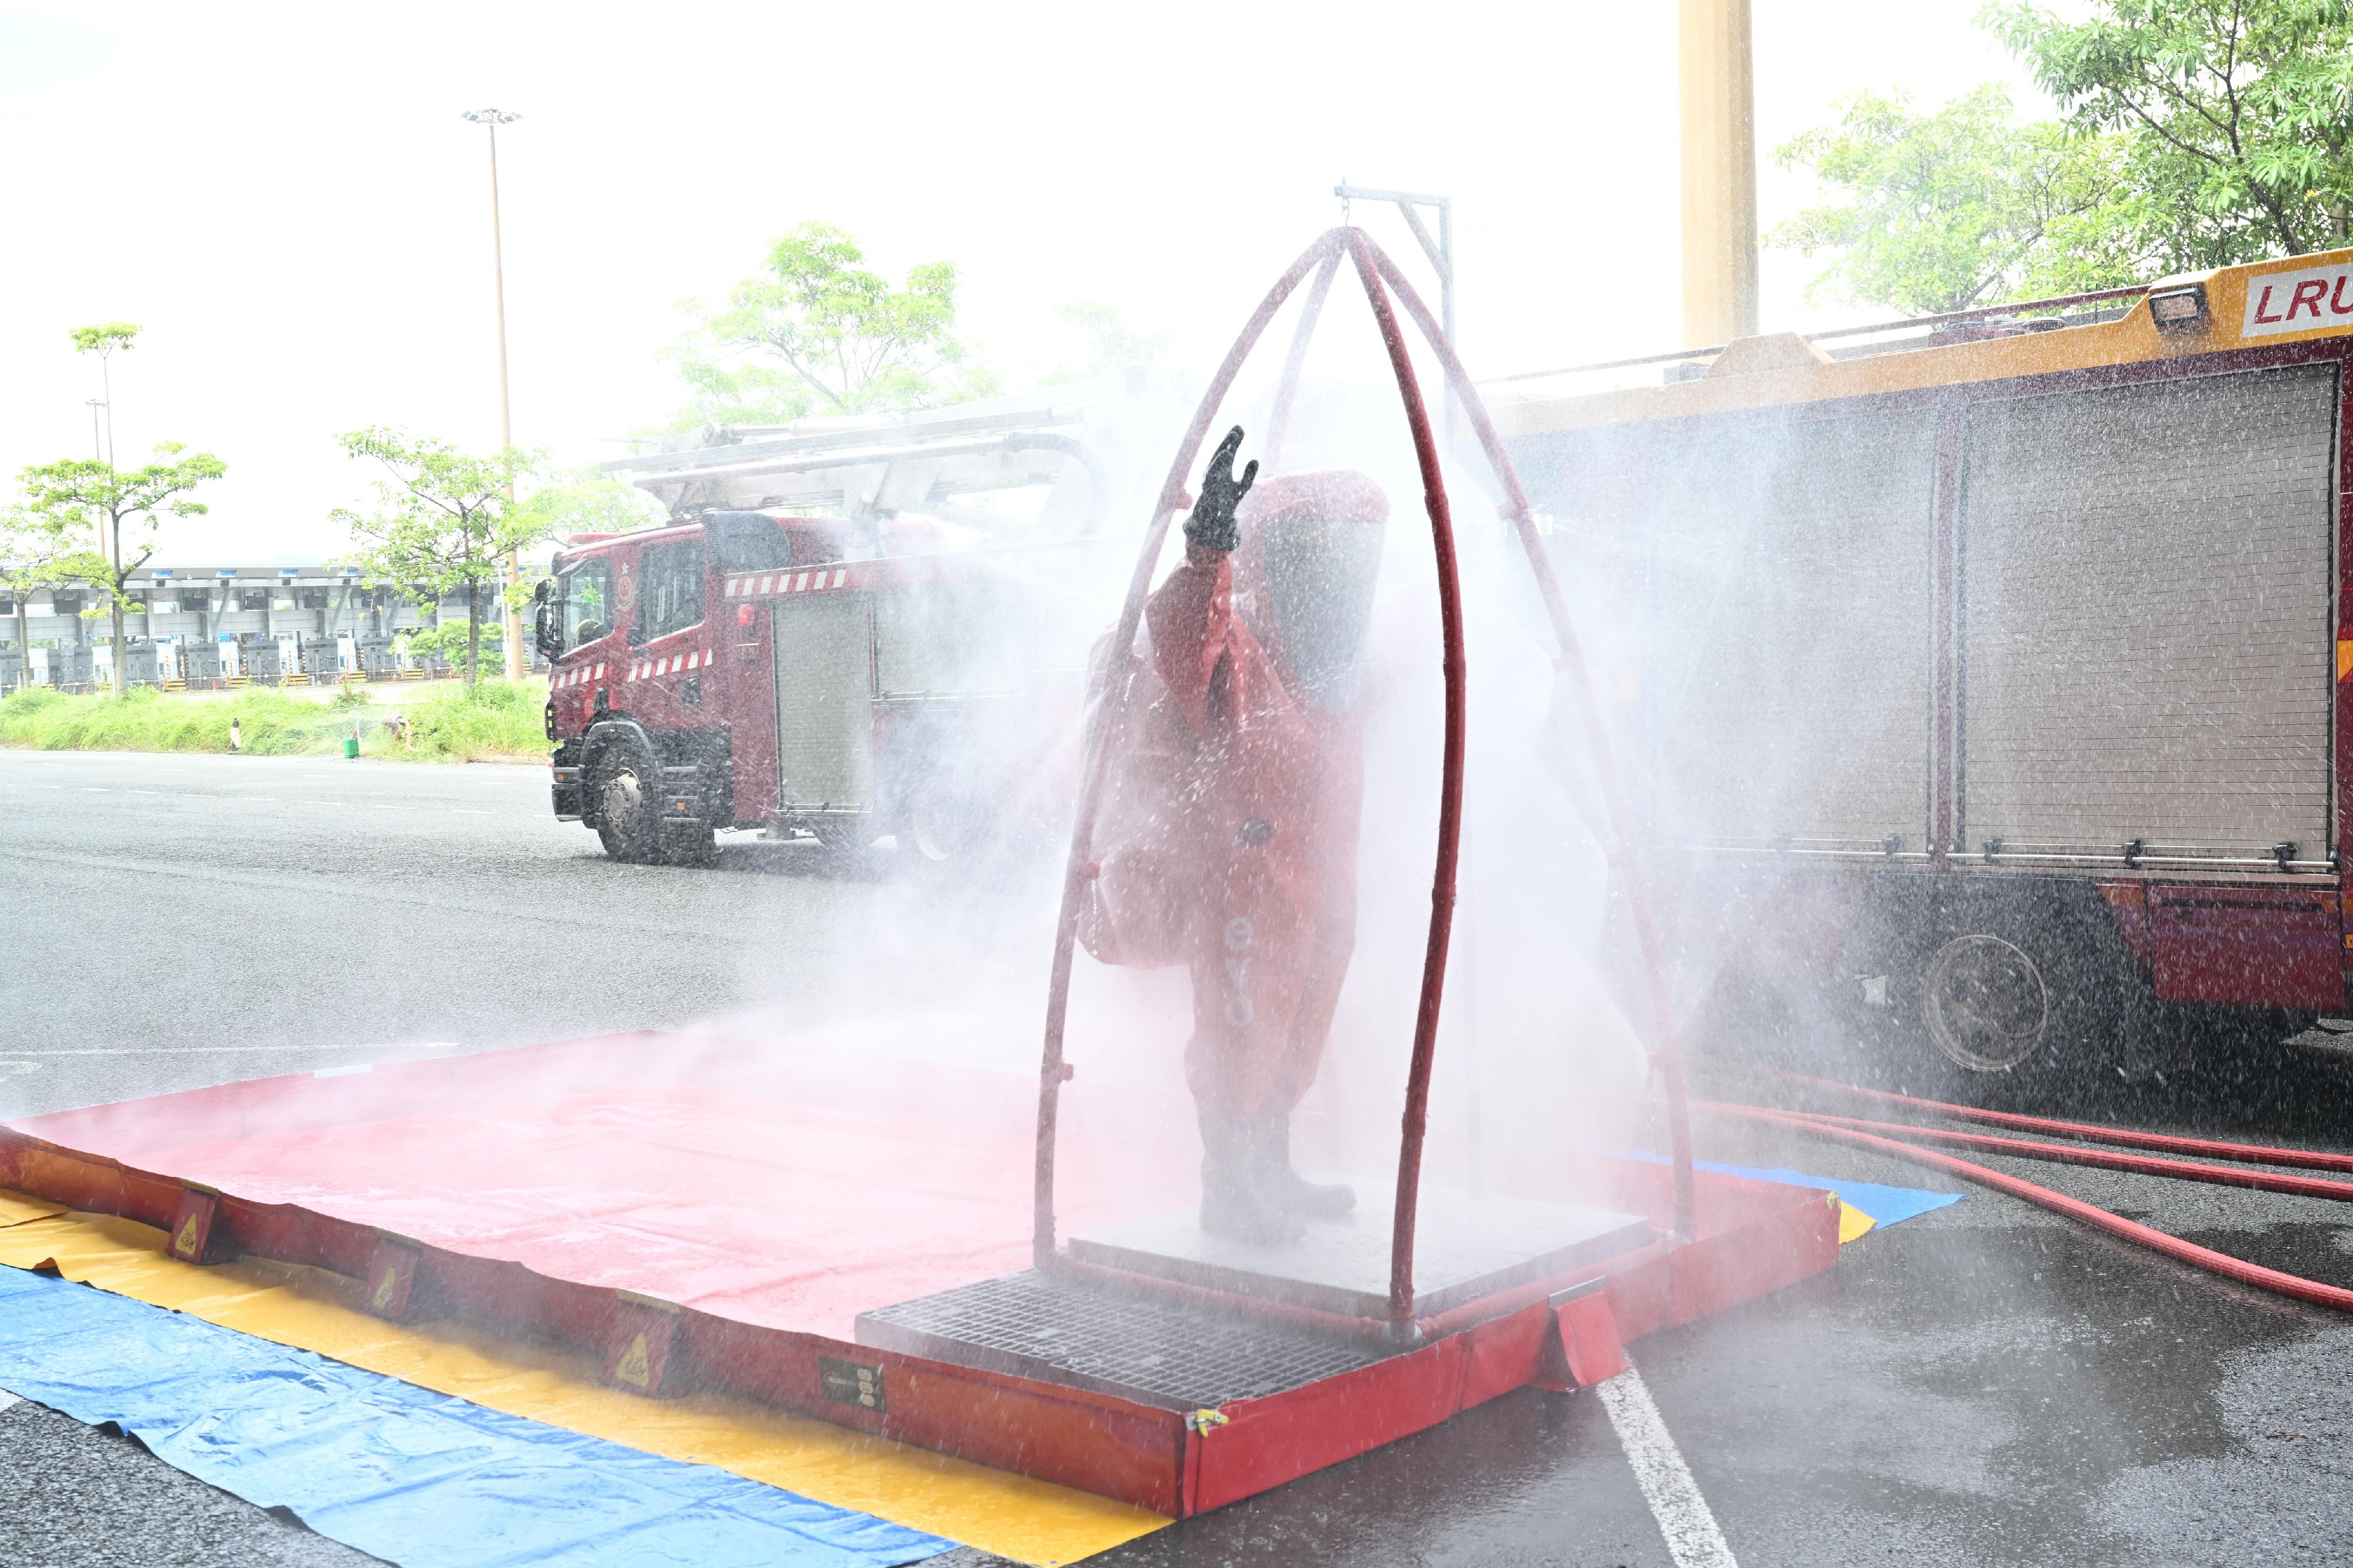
[(1212, 525)]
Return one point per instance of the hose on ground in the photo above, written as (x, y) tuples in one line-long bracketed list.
[(2294, 1286), (2090, 1131), (2100, 1159)]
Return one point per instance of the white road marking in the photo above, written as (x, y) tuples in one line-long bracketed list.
[(1692, 1539), (240, 1050), (469, 811)]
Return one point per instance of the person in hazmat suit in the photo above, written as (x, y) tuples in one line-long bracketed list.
[(1227, 836)]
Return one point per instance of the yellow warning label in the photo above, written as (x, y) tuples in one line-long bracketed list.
[(385, 1286), (185, 1244), (2344, 659), (636, 1368)]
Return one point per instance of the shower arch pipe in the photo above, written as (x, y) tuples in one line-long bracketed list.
[(1666, 1050), (1113, 683)]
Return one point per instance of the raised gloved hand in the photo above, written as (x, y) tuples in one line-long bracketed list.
[(1212, 525)]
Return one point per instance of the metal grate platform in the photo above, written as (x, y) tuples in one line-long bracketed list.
[(1138, 1347), (1467, 1248)]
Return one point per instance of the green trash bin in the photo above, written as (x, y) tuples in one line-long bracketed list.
[(351, 746)]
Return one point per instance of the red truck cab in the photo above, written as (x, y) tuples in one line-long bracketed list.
[(651, 674)]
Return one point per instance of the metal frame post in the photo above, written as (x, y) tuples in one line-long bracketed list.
[(1440, 252)]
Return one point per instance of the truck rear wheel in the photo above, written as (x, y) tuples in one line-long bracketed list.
[(2007, 997), (622, 786), (944, 825), (1984, 1002)]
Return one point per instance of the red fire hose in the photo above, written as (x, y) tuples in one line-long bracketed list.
[(2092, 1132), (2099, 1159), (1893, 1138)]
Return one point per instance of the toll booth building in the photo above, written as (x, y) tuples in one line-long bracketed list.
[(207, 626)]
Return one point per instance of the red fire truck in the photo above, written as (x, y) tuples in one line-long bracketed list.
[(834, 636), (1995, 674)]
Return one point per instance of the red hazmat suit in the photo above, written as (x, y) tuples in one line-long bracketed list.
[(1227, 838)]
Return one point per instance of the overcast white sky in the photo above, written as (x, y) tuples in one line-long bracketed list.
[(285, 199)]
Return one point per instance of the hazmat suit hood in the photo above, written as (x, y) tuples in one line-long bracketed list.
[(1310, 553)]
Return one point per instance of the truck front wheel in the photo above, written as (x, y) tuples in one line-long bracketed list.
[(622, 786)]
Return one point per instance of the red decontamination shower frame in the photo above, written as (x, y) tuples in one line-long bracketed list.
[(1109, 693)]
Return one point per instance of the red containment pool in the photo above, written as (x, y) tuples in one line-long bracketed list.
[(598, 1192)]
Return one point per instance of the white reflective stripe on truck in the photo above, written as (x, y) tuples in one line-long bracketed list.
[(758, 585)]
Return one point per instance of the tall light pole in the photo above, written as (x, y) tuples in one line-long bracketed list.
[(489, 120), (97, 447)]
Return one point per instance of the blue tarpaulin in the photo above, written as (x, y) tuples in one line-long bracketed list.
[(422, 1478), (1884, 1204)]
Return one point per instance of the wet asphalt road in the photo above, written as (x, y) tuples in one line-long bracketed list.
[(1987, 1383)]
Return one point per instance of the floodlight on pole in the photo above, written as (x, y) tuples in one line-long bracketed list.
[(490, 119)]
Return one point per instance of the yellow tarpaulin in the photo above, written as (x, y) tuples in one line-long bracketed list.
[(15, 1209), (1012, 1516)]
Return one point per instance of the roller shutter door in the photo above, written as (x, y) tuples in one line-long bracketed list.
[(2145, 615), (825, 703), (1788, 678)]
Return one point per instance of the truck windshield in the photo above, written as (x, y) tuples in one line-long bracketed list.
[(586, 592)]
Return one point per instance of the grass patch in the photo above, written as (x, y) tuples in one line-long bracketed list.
[(503, 719), (500, 722)]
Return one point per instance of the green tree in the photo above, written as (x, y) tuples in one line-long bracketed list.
[(103, 339), (590, 503), (443, 519), (2239, 113), (81, 488), (818, 332), (32, 543), (446, 643), (1944, 210), (2196, 133)]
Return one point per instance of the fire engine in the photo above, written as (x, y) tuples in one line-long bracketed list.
[(836, 635), (1990, 675)]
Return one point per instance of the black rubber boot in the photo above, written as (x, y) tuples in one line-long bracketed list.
[(1231, 1204), (1285, 1188)]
